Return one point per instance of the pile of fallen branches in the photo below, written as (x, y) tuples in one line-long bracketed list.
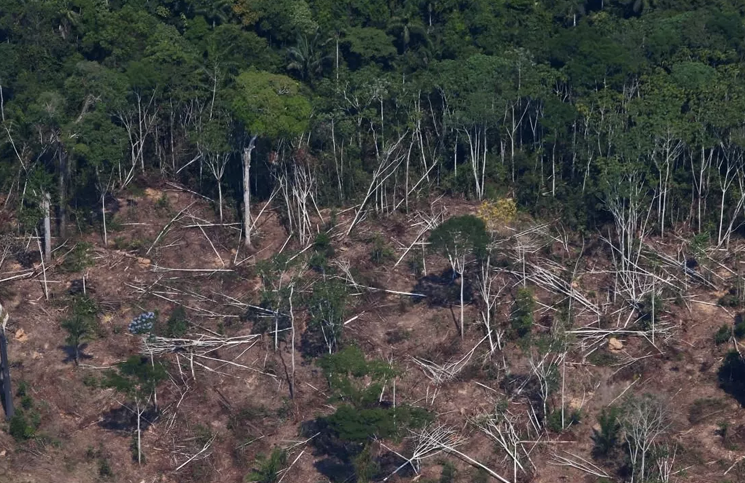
[(205, 343), (189, 299), (548, 279), (592, 338), (429, 442), (346, 269), (441, 373), (201, 352), (500, 427)]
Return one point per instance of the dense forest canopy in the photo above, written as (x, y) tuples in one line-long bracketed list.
[(593, 111)]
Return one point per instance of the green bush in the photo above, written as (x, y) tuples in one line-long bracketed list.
[(606, 437), (365, 466), (448, 472), (381, 252), (703, 408), (734, 296), (602, 357), (23, 425), (78, 259), (322, 251), (163, 204), (352, 378), (360, 425), (327, 306), (731, 376), (521, 320), (322, 245), (739, 329), (81, 325), (266, 470), (104, 468), (570, 417), (723, 334), (177, 325)]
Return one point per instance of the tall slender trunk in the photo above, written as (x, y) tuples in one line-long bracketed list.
[(462, 286), (247, 189), (103, 216), (139, 432), (62, 187), (45, 204), (219, 198)]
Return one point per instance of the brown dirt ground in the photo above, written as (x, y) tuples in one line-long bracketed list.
[(74, 442)]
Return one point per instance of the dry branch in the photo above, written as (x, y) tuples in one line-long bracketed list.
[(440, 374), (579, 463)]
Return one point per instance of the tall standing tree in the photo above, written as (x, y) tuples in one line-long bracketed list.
[(459, 239), (271, 107)]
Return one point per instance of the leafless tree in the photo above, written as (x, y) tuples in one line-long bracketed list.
[(645, 420), (490, 296)]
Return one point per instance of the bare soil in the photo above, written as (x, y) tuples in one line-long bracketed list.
[(75, 434)]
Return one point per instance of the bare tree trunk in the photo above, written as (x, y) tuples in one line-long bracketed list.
[(62, 187), (292, 343), (247, 189), (45, 204), (139, 433), (103, 216), (462, 284)]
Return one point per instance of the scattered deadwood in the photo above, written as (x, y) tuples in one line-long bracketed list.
[(205, 343), (577, 462), (198, 456), (441, 373), (167, 227), (345, 267)]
